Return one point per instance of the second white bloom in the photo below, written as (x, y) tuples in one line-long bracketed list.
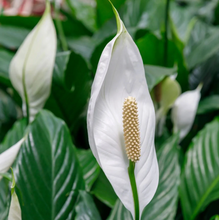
[(32, 66)]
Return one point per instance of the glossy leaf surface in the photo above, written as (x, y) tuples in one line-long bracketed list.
[(47, 172), (103, 190), (89, 166), (200, 177), (86, 208)]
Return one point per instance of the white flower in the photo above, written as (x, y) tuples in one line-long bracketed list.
[(184, 111), (120, 74), (32, 66), (7, 157), (14, 210)]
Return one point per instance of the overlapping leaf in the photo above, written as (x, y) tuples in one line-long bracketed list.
[(200, 177), (47, 171)]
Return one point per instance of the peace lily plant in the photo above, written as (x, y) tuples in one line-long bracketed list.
[(32, 66), (121, 122)]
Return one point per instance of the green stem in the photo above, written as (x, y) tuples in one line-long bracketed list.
[(60, 30), (131, 172), (166, 32)]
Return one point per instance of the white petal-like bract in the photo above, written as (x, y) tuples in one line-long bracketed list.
[(184, 111), (32, 66), (15, 209), (7, 157), (120, 74)]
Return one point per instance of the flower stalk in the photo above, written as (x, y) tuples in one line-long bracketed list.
[(166, 32), (60, 28), (131, 171)]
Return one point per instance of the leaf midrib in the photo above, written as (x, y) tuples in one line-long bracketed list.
[(204, 197)]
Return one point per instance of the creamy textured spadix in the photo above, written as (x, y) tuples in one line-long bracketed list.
[(131, 129)]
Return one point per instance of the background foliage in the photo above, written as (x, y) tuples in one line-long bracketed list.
[(57, 143)]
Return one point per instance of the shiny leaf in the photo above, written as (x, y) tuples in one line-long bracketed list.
[(200, 176), (86, 208), (89, 166), (47, 171)]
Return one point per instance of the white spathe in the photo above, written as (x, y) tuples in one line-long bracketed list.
[(120, 74), (184, 111), (32, 66), (15, 209), (7, 157)]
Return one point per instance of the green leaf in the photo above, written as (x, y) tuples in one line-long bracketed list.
[(216, 217), (164, 204), (5, 59), (103, 190), (11, 40), (208, 104), (14, 135), (119, 212), (8, 113), (152, 51), (104, 10), (47, 171), (19, 21), (183, 19), (69, 104), (82, 45), (60, 68), (4, 199), (155, 74), (203, 40), (200, 177), (86, 208), (84, 12), (140, 14), (89, 166)]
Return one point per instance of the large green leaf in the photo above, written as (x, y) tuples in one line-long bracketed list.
[(139, 14), (86, 208), (103, 190), (47, 172), (89, 166), (82, 45), (5, 59), (183, 18), (203, 40), (104, 10), (164, 204), (152, 51), (4, 199), (11, 40), (8, 113), (84, 12), (209, 104), (155, 74), (69, 101), (14, 135), (200, 177), (61, 69), (71, 26)]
